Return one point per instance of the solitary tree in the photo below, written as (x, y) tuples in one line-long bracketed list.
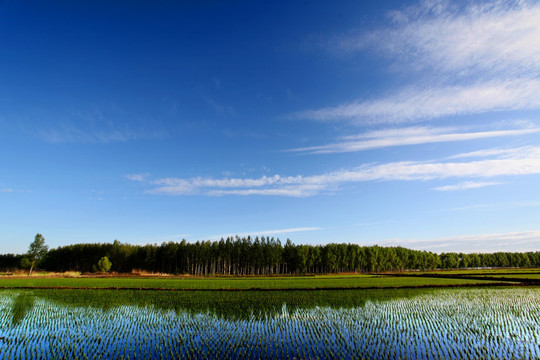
[(104, 265), (36, 252)]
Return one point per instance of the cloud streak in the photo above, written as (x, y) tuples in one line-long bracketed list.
[(502, 153), (69, 133), (9, 190), (407, 136), (466, 185), (481, 243), (104, 124), (136, 177), (480, 38), (522, 161), (416, 104), (480, 58)]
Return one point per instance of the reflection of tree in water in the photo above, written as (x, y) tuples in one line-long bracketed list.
[(226, 304), (22, 304), (493, 323)]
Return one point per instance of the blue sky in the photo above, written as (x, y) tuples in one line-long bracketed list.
[(393, 123)]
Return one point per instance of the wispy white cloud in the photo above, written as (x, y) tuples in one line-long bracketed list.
[(407, 136), (481, 37), (481, 243), (275, 185), (266, 232), (477, 58), (300, 190), (75, 135), (524, 161), (466, 185), (92, 134), (136, 177), (10, 190), (105, 123), (414, 103), (494, 206), (220, 109), (501, 153)]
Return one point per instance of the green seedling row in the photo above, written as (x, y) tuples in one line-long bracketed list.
[(225, 283), (488, 323)]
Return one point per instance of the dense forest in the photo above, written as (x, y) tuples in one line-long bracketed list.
[(261, 256)]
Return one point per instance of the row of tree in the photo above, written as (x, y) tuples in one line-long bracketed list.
[(260, 256)]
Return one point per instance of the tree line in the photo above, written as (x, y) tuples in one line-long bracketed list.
[(260, 256)]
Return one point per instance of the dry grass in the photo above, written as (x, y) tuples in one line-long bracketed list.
[(139, 272), (40, 274)]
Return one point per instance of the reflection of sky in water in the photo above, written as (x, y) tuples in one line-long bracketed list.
[(477, 323)]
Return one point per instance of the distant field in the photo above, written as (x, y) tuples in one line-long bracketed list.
[(216, 283), (480, 271), (516, 276)]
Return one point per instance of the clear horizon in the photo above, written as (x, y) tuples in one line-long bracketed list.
[(392, 124)]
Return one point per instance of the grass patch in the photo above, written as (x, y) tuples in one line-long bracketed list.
[(516, 276), (480, 271), (215, 283)]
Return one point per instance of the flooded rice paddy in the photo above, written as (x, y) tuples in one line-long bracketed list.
[(477, 323)]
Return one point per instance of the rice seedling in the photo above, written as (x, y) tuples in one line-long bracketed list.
[(238, 283), (437, 324)]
